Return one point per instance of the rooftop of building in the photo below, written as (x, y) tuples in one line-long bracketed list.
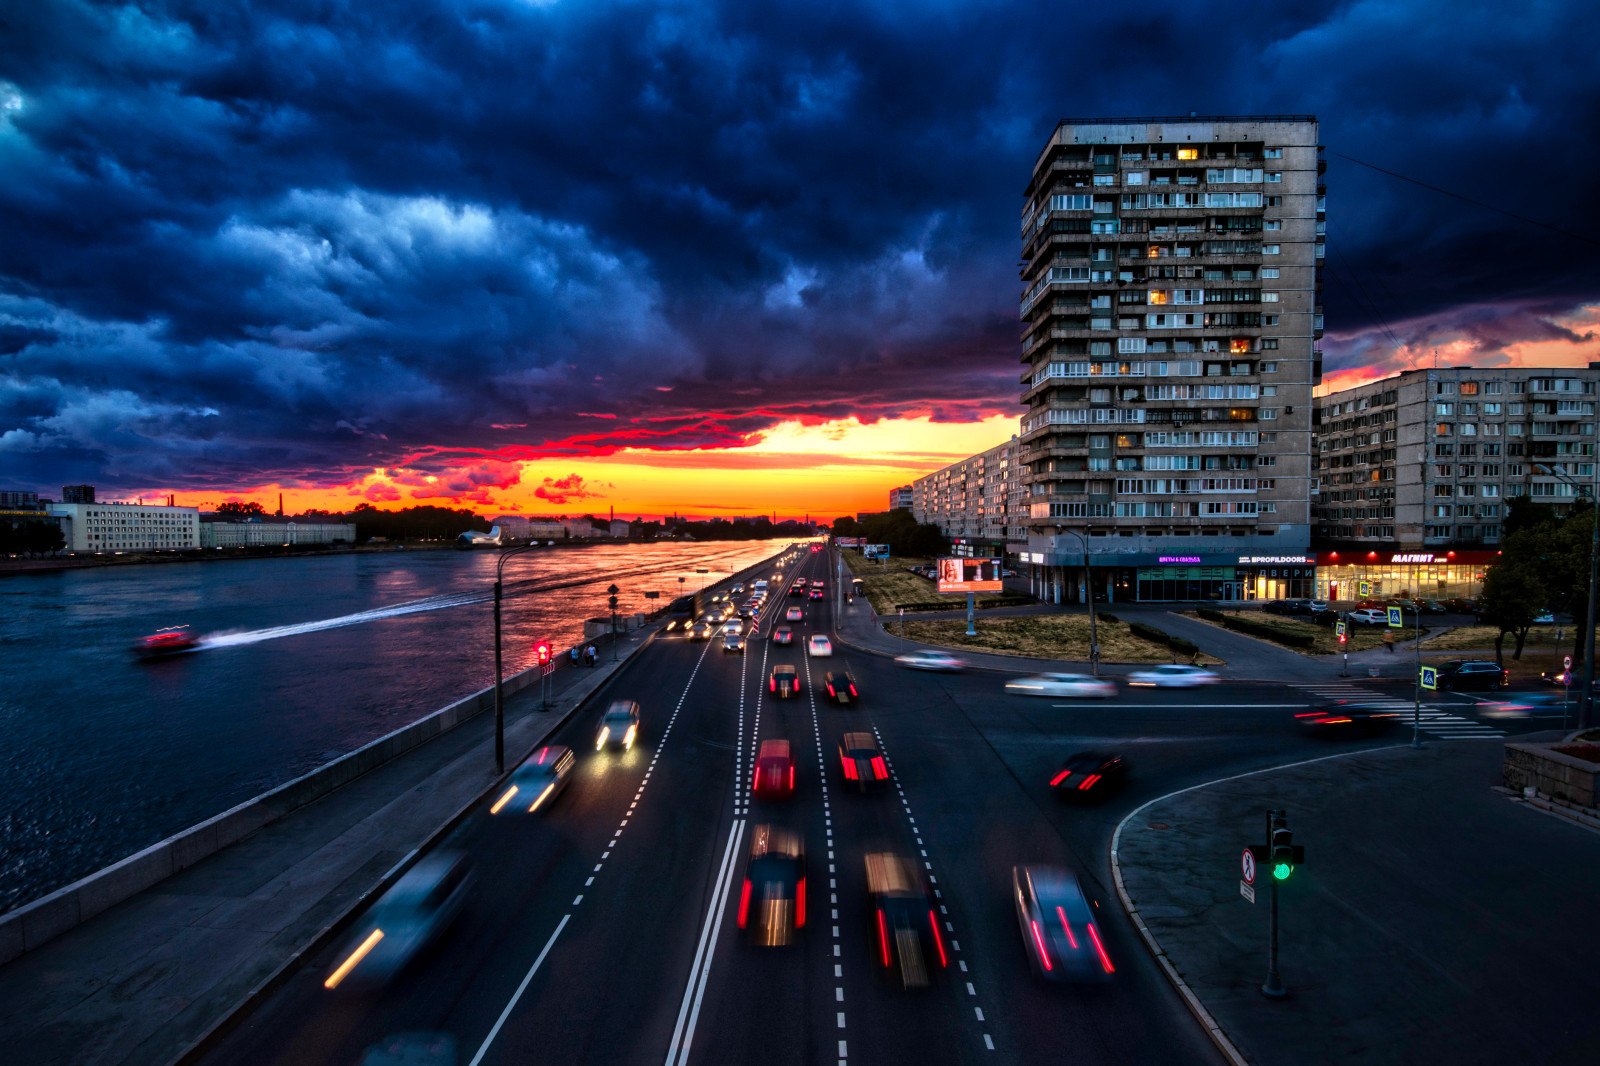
[(1128, 120)]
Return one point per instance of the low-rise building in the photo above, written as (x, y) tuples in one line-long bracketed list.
[(546, 530), (513, 526), (300, 529), (619, 527), (114, 527)]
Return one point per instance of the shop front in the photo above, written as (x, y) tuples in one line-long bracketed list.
[(1402, 575), (1175, 578)]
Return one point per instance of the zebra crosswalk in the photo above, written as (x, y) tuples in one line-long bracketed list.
[(1435, 720)]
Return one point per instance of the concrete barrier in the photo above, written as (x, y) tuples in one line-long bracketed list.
[(27, 927)]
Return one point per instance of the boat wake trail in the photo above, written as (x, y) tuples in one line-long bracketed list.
[(256, 636)]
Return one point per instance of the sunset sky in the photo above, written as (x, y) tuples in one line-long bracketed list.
[(541, 256)]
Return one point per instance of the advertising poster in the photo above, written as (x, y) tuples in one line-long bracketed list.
[(969, 575)]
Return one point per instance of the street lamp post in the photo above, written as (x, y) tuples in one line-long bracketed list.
[(1088, 584), (1586, 701), (499, 695)]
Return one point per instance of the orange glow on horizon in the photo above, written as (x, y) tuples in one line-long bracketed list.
[(824, 470)]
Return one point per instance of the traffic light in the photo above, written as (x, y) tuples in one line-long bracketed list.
[(1286, 854), (542, 651)]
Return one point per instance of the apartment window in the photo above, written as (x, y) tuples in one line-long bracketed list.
[(1269, 368), (1269, 390), (1188, 153), (1442, 429), (1272, 153), (1441, 510), (1274, 224), (1444, 449), (1491, 409), (1269, 249), (1518, 388), (1274, 201), (1491, 388), (1105, 179), (1133, 177), (1267, 414), (1469, 388), (1443, 471), (1269, 272), (1274, 176)]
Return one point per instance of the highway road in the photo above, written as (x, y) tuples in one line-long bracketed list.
[(603, 929)]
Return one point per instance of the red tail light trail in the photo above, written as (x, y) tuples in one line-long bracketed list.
[(1062, 776), (938, 942), (883, 939), (1038, 942), (744, 903), (1100, 949), (800, 904), (879, 771)]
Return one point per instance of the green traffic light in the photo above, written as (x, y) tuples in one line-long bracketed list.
[(1282, 870)]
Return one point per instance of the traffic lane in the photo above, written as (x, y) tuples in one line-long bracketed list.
[(616, 978), (1490, 708), (760, 1002), (525, 868), (981, 818)]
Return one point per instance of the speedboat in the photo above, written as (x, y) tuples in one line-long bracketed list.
[(170, 641)]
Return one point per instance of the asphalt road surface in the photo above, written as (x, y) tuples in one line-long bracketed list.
[(602, 929)]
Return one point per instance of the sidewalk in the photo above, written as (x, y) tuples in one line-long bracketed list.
[(1434, 920), (142, 982)]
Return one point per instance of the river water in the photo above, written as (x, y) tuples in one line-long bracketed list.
[(304, 659)]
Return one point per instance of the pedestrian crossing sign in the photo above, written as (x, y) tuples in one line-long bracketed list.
[(1364, 588), (1396, 619), (1430, 678)]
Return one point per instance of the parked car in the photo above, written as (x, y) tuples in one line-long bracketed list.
[(1369, 616)]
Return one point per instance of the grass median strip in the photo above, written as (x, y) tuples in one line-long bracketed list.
[(1053, 636), (1475, 638), (891, 586)]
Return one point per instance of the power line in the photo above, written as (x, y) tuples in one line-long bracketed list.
[(1470, 200)]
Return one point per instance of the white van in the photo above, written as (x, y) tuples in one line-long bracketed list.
[(758, 588)]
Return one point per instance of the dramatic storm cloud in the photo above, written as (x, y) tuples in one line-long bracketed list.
[(293, 242)]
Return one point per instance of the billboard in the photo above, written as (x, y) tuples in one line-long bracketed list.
[(969, 575), (875, 551), (849, 542)]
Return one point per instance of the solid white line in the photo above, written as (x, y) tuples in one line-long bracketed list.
[(688, 1013), (482, 1050), (1180, 706)]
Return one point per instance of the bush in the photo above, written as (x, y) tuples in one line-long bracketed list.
[(1104, 617), (1148, 632), (1182, 647), (1211, 615)]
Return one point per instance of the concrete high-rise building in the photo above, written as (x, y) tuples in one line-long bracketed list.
[(1415, 471), (126, 527), (77, 494), (900, 498), (977, 503), (1170, 315)]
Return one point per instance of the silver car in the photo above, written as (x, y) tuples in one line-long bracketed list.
[(1059, 933), (1062, 685), (406, 919), (930, 660), (537, 782)]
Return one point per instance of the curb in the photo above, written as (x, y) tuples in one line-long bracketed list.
[(1576, 815), (1223, 1042), (208, 1040)]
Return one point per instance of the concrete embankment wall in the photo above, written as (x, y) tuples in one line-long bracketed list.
[(27, 927)]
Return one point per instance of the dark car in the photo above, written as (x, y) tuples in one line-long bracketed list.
[(1323, 617), (406, 920), (816, 594), (542, 776), (772, 903), (1532, 705), (908, 948), (1288, 607), (797, 590), (619, 727), (841, 687), (862, 760), (1435, 607), (774, 773), (1463, 674), (1059, 933), (1348, 718), (1088, 774), (784, 682), (733, 642), (782, 635)]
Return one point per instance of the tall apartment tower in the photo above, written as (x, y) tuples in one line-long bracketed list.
[(1170, 313)]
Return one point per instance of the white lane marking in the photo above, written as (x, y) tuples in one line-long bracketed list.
[(841, 1019), (689, 1012), (987, 1042), (1191, 706), (521, 988)]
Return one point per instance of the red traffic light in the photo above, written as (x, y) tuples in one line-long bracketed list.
[(542, 650)]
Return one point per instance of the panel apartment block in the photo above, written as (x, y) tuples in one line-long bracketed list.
[(977, 502), (1170, 312)]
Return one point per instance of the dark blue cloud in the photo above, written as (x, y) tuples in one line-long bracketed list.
[(291, 241)]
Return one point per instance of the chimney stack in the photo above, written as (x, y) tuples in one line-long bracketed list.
[(280, 505)]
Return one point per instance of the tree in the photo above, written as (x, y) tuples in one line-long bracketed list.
[(237, 510), (1513, 596), (1522, 513)]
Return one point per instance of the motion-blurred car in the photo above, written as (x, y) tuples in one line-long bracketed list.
[(1071, 686), (862, 760), (930, 660), (738, 589), (1088, 774), (716, 616), (719, 597), (819, 647), (772, 902), (1059, 934), (619, 726), (538, 781), (909, 949), (794, 614), (774, 772), (1463, 674), (1173, 675), (407, 918), (700, 630), (1531, 705), (841, 687), (1351, 718), (782, 635), (784, 682), (732, 642), (816, 594), (1562, 678), (818, 583)]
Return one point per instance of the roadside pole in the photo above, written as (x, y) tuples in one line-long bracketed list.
[(972, 614), (1416, 703), (1273, 988)]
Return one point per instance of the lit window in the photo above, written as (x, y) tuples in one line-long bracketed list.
[(1188, 153), (1238, 347)]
